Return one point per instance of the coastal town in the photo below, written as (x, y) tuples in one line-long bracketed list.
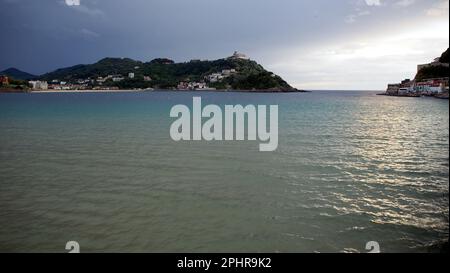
[(108, 82), (431, 84), (211, 78), (431, 80)]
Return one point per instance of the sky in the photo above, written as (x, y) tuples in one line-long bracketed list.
[(312, 44)]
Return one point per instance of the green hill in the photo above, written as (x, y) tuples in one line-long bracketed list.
[(445, 58), (432, 72), (104, 67), (439, 71), (166, 74)]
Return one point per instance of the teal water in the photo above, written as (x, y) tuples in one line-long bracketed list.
[(101, 169)]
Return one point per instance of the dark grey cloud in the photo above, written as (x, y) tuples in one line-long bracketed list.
[(182, 29)]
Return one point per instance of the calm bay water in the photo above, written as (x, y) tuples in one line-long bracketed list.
[(101, 169)]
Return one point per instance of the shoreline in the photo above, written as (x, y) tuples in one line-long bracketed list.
[(145, 90), (441, 96)]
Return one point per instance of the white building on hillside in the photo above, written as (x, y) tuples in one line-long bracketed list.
[(38, 85), (237, 55)]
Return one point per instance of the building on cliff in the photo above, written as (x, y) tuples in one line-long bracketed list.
[(241, 56)]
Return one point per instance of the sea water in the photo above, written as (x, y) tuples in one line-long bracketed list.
[(101, 169)]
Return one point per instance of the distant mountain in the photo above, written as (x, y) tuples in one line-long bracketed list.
[(17, 74), (166, 74)]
